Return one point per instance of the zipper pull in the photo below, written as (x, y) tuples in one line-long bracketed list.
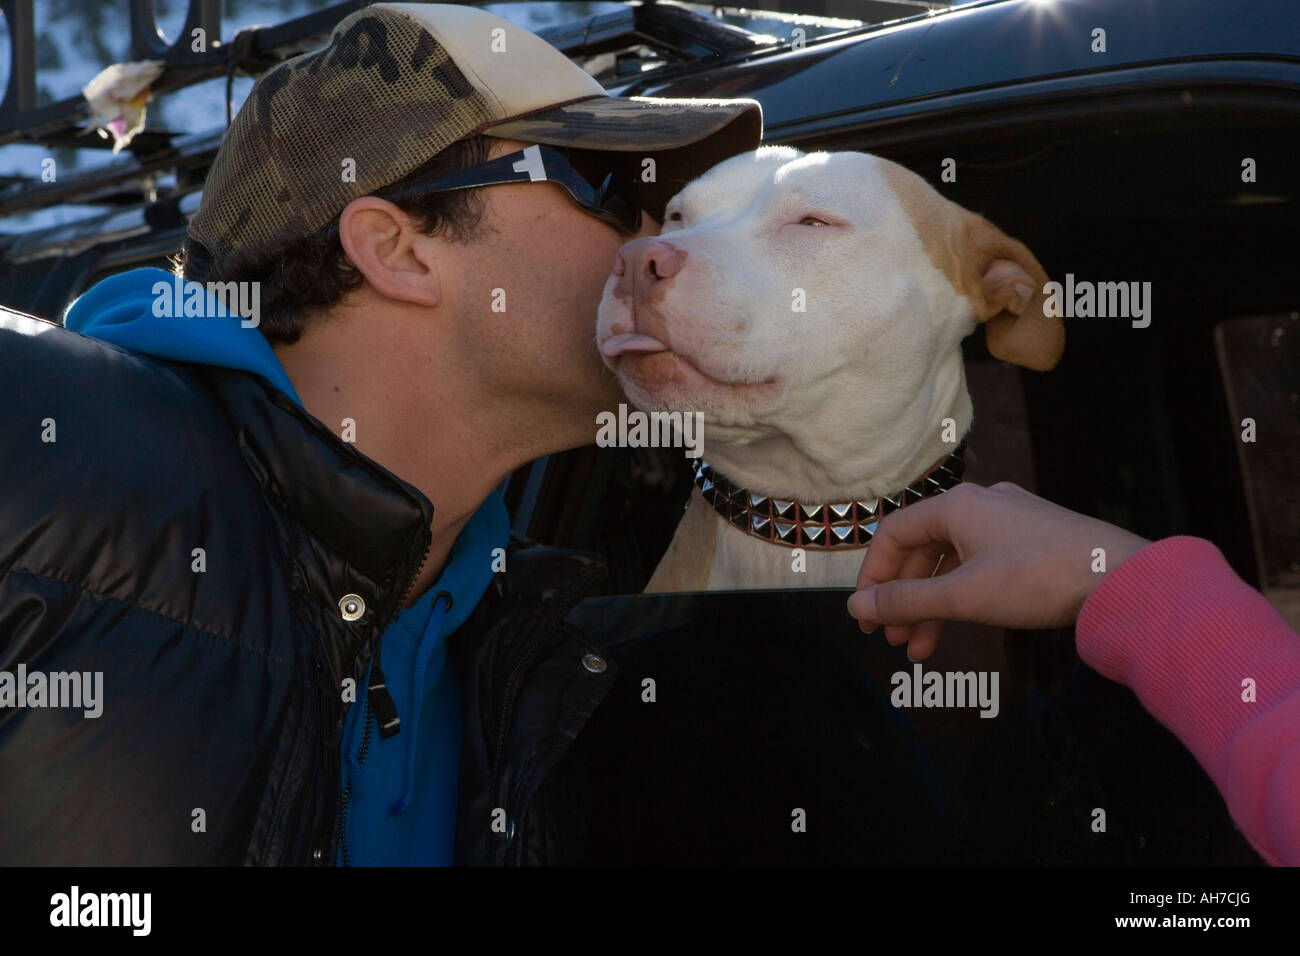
[(382, 702)]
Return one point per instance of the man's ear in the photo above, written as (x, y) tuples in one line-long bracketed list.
[(1005, 284), (384, 245)]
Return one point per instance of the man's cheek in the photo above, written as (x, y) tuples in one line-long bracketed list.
[(607, 286)]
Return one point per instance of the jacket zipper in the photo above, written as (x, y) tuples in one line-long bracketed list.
[(507, 707), (365, 733), (347, 791)]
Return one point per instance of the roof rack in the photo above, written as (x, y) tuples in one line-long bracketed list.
[(668, 28), (868, 11), (665, 26), (60, 123)]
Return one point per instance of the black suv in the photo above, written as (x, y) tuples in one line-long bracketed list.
[(1152, 141)]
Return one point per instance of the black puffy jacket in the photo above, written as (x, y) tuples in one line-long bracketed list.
[(219, 737)]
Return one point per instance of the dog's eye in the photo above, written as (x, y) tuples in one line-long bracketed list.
[(674, 217), (812, 221)]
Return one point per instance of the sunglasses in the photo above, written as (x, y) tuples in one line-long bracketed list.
[(601, 183)]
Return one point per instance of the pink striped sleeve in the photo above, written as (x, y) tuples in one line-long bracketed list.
[(1176, 625)]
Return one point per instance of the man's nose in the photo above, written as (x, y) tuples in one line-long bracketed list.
[(642, 263)]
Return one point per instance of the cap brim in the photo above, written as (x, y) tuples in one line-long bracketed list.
[(656, 127), (631, 123)]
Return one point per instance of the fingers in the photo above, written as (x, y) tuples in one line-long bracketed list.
[(1016, 560), (905, 601), (910, 548), (924, 640), (925, 637), (920, 525), (918, 563), (919, 528)]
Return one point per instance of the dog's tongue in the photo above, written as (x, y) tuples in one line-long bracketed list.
[(630, 342)]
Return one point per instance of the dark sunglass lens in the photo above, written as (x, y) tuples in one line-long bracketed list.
[(625, 209), (619, 196), (614, 189)]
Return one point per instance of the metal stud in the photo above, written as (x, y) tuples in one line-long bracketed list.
[(794, 522), (352, 607)]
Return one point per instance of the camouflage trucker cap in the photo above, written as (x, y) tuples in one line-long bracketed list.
[(396, 84)]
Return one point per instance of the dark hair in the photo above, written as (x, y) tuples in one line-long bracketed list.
[(314, 273)]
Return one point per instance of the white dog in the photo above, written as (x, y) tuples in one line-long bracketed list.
[(812, 306)]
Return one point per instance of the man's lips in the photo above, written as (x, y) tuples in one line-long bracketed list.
[(626, 342)]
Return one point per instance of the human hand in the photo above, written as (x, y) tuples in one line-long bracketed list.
[(1009, 559)]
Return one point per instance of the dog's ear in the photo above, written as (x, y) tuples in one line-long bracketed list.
[(999, 275), (1005, 284)]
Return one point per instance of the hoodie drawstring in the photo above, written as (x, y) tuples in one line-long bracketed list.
[(431, 633)]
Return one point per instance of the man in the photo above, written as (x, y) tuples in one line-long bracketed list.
[(242, 523)]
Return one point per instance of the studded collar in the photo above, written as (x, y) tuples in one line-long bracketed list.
[(842, 525)]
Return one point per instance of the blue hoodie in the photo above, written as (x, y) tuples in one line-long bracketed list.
[(401, 799)]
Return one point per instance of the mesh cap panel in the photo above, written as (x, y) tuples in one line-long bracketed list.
[(383, 93)]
